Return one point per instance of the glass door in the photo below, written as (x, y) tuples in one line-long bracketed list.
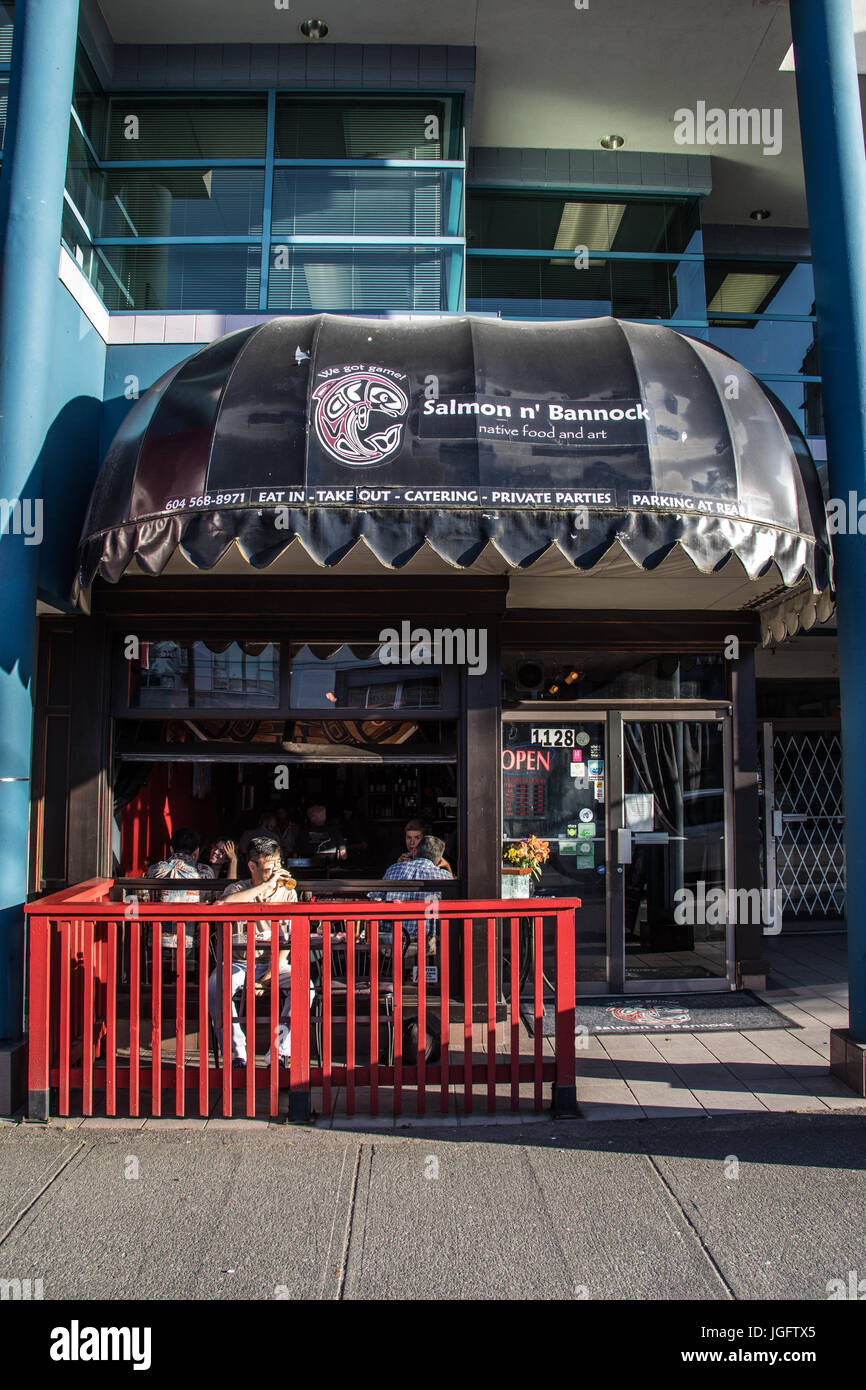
[(553, 787), (636, 812), (669, 815)]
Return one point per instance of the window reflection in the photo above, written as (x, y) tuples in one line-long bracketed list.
[(578, 675), (358, 677), (183, 675)]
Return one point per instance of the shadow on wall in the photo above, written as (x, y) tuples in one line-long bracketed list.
[(69, 463), (46, 522)]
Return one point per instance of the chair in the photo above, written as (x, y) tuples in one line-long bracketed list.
[(363, 991)]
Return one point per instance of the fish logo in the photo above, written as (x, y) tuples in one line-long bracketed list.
[(656, 1015), (349, 421)]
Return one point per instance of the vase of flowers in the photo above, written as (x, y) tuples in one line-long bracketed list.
[(521, 863)]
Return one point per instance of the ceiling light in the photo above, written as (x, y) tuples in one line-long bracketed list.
[(742, 293), (572, 677), (593, 225), (760, 214), (313, 28), (612, 142)]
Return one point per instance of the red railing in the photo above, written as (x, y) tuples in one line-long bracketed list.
[(107, 1007)]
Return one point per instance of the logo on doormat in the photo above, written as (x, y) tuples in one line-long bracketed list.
[(654, 1015), (352, 414)]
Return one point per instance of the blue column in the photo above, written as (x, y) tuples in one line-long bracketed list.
[(31, 203), (831, 130)]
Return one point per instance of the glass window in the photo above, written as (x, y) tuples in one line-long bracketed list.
[(366, 202), (196, 127), (770, 345), (359, 677), (366, 128), (181, 277), (562, 221), (182, 202), (552, 676), (312, 279), (757, 287), (556, 288), (81, 248), (7, 14), (553, 788), (89, 100), (85, 182), (205, 675)]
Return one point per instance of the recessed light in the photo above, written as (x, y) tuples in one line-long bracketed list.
[(612, 142), (313, 28), (760, 214)]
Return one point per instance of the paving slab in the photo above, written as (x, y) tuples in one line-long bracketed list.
[(783, 1227), (463, 1221), (31, 1158), (209, 1216)]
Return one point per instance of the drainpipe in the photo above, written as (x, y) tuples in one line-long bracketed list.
[(831, 131), (31, 203)]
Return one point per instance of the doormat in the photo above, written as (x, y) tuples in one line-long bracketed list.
[(664, 1013)]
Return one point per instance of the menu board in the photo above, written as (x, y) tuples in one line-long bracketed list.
[(523, 796)]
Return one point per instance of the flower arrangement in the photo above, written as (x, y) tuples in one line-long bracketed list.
[(530, 853)]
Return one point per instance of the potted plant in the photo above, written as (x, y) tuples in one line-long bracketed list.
[(521, 863)]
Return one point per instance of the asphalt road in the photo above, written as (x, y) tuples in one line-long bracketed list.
[(712, 1209)]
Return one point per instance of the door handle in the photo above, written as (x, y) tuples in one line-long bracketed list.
[(623, 846), (777, 824)]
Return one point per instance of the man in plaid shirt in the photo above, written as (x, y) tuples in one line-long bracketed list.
[(424, 865)]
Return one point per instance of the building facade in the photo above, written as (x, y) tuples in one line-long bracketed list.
[(658, 697)]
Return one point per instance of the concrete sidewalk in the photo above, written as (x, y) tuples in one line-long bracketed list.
[(757, 1206), (661, 1075)]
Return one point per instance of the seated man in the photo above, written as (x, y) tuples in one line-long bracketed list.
[(181, 863), (266, 825), (414, 832), (262, 886), (424, 865), (321, 840)]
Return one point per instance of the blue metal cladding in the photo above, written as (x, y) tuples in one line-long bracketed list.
[(831, 130), (31, 200)]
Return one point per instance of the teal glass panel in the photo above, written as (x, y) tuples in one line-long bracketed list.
[(360, 127), (195, 127), (224, 278), (183, 202), (7, 14), (538, 221), (312, 279), (556, 288), (360, 202)]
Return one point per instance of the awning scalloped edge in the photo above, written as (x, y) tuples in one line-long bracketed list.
[(395, 535)]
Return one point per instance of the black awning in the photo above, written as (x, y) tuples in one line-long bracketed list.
[(458, 433)]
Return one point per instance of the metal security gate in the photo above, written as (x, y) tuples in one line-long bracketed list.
[(804, 823)]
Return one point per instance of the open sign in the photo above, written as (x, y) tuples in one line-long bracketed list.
[(525, 760)]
